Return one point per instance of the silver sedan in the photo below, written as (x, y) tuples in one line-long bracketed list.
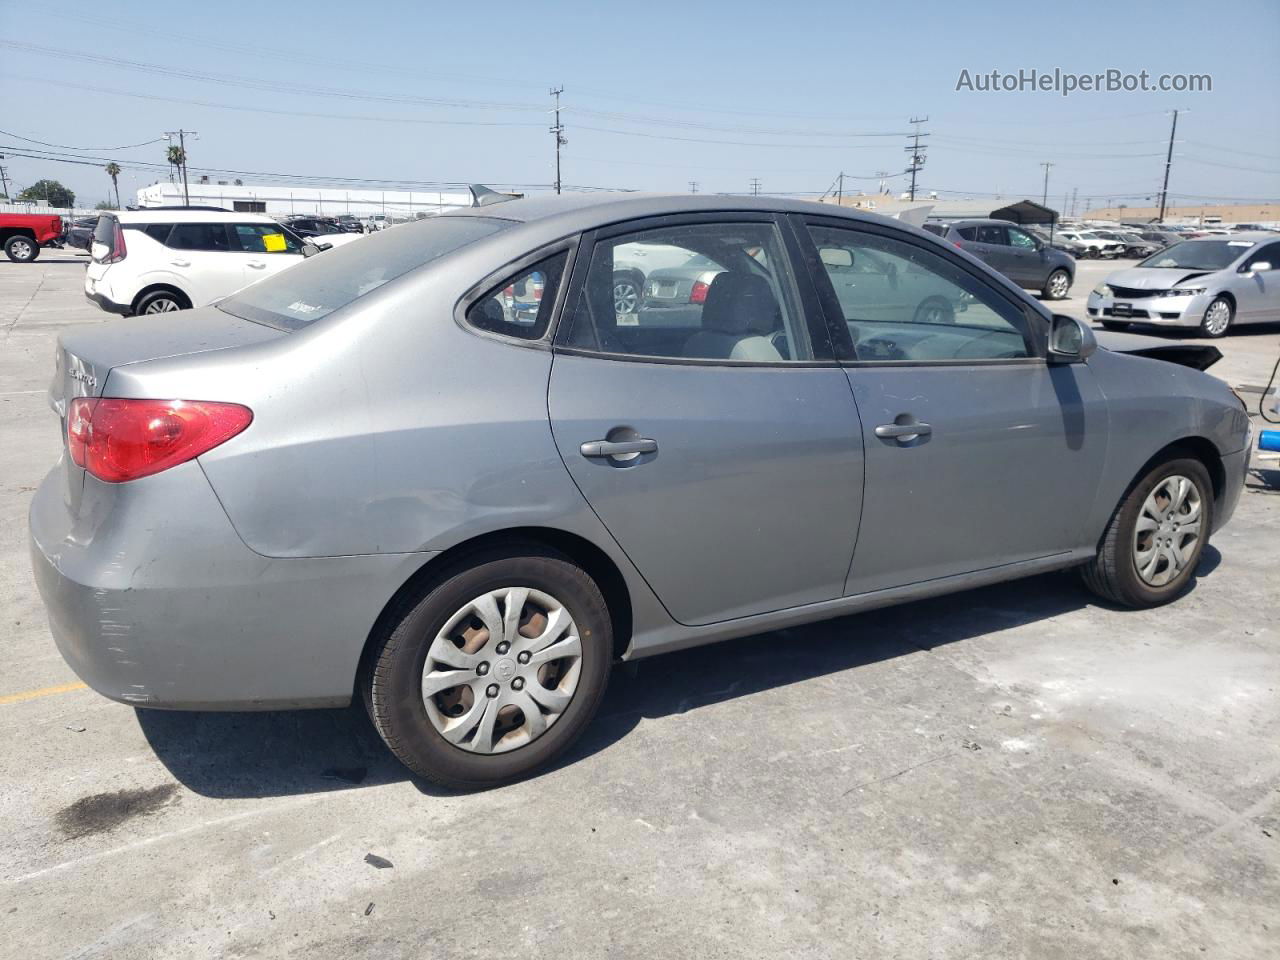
[(1209, 283), (370, 475)]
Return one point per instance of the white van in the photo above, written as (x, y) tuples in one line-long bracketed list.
[(156, 261)]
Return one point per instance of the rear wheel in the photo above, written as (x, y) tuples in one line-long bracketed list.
[(1057, 285), (935, 310), (492, 670), (162, 301), (21, 249), (1217, 318), (1151, 547), (626, 294)]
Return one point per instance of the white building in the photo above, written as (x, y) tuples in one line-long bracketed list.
[(285, 199)]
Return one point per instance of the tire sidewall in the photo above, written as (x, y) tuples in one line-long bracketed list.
[(159, 295), (1231, 316), (13, 242), (1048, 285), (395, 692), (1131, 581)]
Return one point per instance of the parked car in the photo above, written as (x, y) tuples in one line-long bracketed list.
[(1098, 247), (1209, 283), (158, 261), (365, 474), (1132, 245), (1077, 251), (1159, 238), (308, 227), (1024, 259), (78, 233), (349, 223), (23, 234)]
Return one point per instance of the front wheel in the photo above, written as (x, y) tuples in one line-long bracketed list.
[(935, 310), (1057, 285), (21, 249), (1153, 542), (492, 671), (1217, 318), (626, 294)]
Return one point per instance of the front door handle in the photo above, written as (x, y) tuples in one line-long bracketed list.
[(181, 263), (903, 431), (621, 449), (257, 264)]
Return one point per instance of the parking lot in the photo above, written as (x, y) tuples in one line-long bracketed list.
[(1016, 771)]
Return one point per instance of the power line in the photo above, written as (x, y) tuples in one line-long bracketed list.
[(63, 146)]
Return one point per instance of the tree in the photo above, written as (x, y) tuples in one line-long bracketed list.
[(113, 171), (177, 157), (50, 190), (106, 205)]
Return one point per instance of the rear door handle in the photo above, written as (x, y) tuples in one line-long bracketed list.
[(903, 431), (257, 264), (619, 448), (181, 263)]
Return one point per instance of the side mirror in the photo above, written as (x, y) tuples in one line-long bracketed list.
[(1258, 267), (1070, 340), (310, 248)]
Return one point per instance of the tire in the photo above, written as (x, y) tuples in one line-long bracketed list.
[(1089, 253), (162, 301), (1114, 573), (21, 249), (1217, 318), (627, 293), (413, 726), (1056, 285), (935, 310)]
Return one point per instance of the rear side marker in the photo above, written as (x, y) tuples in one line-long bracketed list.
[(118, 439)]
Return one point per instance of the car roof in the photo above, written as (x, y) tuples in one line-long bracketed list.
[(190, 216), (585, 211), (1258, 237)]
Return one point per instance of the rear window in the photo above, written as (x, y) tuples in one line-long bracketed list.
[(315, 288), (935, 228)]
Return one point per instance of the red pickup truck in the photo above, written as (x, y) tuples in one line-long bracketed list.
[(23, 234)]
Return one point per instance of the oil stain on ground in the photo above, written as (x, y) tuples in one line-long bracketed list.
[(106, 811)]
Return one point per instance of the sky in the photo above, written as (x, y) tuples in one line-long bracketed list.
[(656, 95)]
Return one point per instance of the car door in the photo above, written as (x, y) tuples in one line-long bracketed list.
[(264, 249), (1026, 262), (1257, 292), (200, 255), (977, 453), (718, 443), (991, 246)]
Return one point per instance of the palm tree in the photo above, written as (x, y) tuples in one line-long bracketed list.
[(113, 171), (177, 157)]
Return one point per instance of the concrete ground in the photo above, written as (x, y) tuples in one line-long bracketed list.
[(1018, 771)]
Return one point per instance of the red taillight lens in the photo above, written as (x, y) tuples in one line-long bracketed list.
[(119, 249), (699, 292), (118, 439)]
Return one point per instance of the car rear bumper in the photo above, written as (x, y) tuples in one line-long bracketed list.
[(154, 601), (107, 304)]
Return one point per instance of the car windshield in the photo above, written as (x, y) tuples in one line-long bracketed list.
[(313, 289), (1198, 255)]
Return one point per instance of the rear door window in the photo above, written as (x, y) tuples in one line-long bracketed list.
[(994, 235), (199, 236), (159, 232), (264, 238)]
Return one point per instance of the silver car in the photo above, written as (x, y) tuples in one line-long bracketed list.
[(1210, 283), (369, 477)]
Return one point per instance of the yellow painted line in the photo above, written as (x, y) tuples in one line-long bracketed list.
[(42, 692)]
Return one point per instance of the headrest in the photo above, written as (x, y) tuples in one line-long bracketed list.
[(740, 303)]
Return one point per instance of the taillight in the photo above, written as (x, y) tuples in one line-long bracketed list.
[(699, 292), (118, 439), (118, 249)]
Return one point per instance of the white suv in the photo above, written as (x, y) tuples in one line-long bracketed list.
[(155, 261)]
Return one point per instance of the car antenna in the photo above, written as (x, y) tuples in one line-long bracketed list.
[(482, 196)]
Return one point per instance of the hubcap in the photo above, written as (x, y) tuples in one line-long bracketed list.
[(502, 670), (1058, 285), (1217, 316), (21, 249), (161, 306), (625, 297), (1168, 530)]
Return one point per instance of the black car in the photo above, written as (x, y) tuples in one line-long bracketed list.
[(349, 223), (1025, 259), (313, 226), (79, 232)]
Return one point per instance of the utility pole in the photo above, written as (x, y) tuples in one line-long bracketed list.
[(693, 186), (917, 152), (755, 186), (557, 131), (1074, 190), (182, 148), (1168, 162), (883, 176), (4, 183), (840, 190), (1044, 201)]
